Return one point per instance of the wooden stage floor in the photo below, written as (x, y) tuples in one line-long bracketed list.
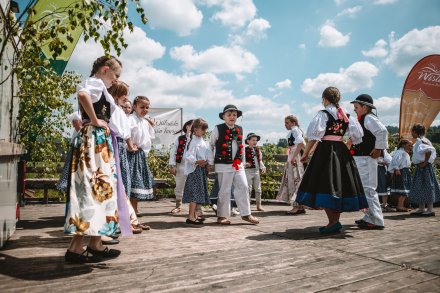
[(282, 254)]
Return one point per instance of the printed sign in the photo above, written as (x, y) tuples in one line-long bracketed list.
[(168, 122)]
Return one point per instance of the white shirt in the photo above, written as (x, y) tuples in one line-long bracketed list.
[(226, 167), (72, 117), (94, 87), (173, 152), (399, 161), (297, 134), (372, 123), (422, 146), (198, 150), (120, 124), (317, 127), (141, 132)]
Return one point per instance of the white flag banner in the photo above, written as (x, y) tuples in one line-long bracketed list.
[(168, 122)]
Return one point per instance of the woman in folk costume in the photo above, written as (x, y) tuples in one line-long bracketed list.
[(331, 180), (365, 154), (294, 169), (227, 145), (97, 202), (399, 167), (177, 165)]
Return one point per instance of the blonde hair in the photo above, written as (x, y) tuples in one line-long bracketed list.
[(293, 119)]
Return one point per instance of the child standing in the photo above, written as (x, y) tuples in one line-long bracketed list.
[(294, 169), (374, 141), (331, 180), (92, 184), (142, 132), (399, 167), (197, 157), (382, 189), (176, 163), (127, 107), (425, 190), (254, 165), (226, 141)]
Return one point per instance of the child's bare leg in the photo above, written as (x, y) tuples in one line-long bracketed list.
[(134, 203), (192, 211), (76, 245)]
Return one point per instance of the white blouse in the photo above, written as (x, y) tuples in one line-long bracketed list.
[(94, 87), (173, 152), (297, 134), (141, 132), (372, 123), (399, 161), (198, 150), (317, 127), (120, 124), (226, 167), (422, 146)]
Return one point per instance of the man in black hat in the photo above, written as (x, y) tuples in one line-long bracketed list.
[(365, 154), (227, 145)]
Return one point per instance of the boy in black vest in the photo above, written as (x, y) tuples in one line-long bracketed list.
[(227, 145), (365, 154), (254, 164)]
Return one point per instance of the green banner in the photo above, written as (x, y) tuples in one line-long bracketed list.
[(51, 11)]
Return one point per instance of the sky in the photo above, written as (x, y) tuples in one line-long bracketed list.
[(272, 58)]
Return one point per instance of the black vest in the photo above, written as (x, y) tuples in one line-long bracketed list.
[(367, 144), (181, 148), (250, 155), (101, 108), (223, 145), (335, 127), (291, 140)]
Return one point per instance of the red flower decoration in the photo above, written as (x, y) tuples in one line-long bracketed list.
[(181, 142), (228, 131), (224, 145), (177, 157), (240, 136), (226, 137), (241, 152), (249, 156), (237, 129), (359, 118), (224, 153), (240, 146), (179, 150), (352, 152)]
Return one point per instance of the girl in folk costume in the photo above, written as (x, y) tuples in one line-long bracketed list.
[(95, 206), (226, 141), (331, 180), (382, 189), (119, 91), (197, 158), (374, 141), (177, 165), (425, 190), (142, 132), (294, 169), (254, 165), (399, 167), (127, 107)]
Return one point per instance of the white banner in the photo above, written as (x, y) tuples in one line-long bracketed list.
[(168, 122)]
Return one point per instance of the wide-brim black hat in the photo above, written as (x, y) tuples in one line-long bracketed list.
[(250, 135), (230, 108), (364, 99)]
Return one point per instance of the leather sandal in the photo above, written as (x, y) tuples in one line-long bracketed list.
[(176, 210), (223, 221), (251, 219), (143, 226), (106, 253)]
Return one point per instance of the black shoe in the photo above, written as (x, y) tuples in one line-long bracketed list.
[(427, 214), (110, 242), (118, 231), (106, 253), (116, 236), (369, 226), (188, 221), (84, 257), (359, 222)]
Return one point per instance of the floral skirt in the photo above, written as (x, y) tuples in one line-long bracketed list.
[(92, 186), (291, 178)]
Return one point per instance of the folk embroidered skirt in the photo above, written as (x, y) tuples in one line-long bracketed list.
[(140, 175), (424, 186), (382, 181), (291, 178), (196, 187), (125, 169), (92, 186), (401, 184), (331, 180)]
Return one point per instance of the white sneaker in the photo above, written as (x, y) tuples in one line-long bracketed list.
[(235, 212), (214, 207)]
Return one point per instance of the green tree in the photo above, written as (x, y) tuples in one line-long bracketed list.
[(43, 95)]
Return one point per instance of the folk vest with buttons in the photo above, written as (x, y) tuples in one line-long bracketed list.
[(181, 148), (223, 145), (367, 144), (101, 108), (250, 156)]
